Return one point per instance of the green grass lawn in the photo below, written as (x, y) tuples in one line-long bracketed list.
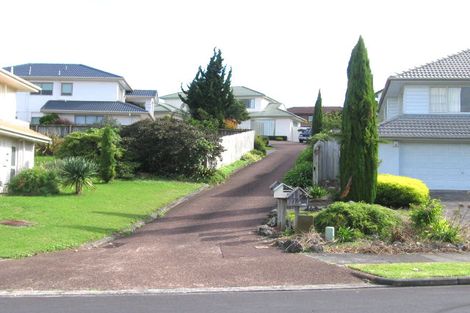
[(415, 270), (67, 220)]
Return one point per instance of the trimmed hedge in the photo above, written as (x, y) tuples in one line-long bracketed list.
[(400, 191), (33, 182), (368, 219)]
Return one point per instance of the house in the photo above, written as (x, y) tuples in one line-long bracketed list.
[(268, 117), (81, 94), (426, 123), (307, 112), (16, 139)]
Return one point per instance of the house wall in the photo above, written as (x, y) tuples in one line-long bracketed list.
[(285, 127), (8, 102), (30, 105), (24, 158), (236, 146), (122, 119)]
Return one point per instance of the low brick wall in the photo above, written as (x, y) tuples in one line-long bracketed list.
[(235, 146)]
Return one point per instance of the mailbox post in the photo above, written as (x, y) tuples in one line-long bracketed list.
[(287, 196)]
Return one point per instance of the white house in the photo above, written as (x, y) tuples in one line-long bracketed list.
[(425, 116), (16, 139), (268, 117), (81, 94)]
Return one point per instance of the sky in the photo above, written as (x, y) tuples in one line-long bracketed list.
[(287, 50)]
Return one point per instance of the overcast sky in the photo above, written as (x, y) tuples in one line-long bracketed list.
[(286, 49)]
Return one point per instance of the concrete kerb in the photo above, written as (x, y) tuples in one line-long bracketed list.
[(78, 293), (418, 282), (152, 217)]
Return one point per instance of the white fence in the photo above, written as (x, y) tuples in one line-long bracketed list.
[(235, 146), (325, 161)]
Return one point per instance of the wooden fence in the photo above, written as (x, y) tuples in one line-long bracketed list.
[(61, 130), (325, 161)]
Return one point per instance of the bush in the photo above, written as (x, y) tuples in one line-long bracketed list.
[(252, 156), (316, 192), (428, 219), (78, 172), (347, 234), (260, 144), (400, 191), (424, 215), (36, 181), (83, 144), (170, 147), (49, 119), (301, 174), (363, 218), (48, 149)]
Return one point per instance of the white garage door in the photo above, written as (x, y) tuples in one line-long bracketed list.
[(440, 166)]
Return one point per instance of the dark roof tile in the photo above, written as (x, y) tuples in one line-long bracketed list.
[(58, 70), (91, 106)]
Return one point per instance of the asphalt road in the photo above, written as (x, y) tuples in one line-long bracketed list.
[(454, 299)]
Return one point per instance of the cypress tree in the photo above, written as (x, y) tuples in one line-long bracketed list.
[(359, 144), (210, 97), (317, 121), (108, 155)]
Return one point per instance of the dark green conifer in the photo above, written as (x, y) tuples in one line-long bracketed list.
[(317, 121)]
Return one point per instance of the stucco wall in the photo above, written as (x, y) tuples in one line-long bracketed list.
[(24, 158), (8, 102), (235, 146)]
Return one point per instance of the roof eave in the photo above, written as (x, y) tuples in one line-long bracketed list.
[(26, 136)]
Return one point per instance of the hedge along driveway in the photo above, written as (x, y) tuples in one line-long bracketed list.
[(67, 220)]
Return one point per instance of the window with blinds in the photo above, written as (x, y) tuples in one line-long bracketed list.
[(444, 100)]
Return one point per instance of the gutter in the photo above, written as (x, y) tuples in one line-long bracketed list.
[(23, 136)]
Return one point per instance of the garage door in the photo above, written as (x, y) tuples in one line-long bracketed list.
[(440, 166)]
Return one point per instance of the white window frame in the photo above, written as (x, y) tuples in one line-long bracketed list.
[(62, 93), (41, 92)]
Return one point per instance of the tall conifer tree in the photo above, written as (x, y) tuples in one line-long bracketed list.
[(359, 145), (317, 121), (210, 96)]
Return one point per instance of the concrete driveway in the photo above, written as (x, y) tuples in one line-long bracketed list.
[(205, 242), (457, 203)]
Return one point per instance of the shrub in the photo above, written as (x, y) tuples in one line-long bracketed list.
[(317, 192), (400, 191), (48, 149), (78, 172), (170, 147), (260, 144), (347, 234), (83, 144), (442, 230), (49, 119), (108, 154), (424, 215), (252, 156), (36, 181), (301, 174), (368, 219)]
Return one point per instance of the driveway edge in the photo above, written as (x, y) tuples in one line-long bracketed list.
[(418, 282)]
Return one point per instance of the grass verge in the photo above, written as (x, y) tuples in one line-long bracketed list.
[(67, 220), (415, 270)]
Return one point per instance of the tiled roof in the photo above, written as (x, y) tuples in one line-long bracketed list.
[(58, 70), (309, 110), (429, 126), (273, 110), (238, 91), (141, 93), (91, 106), (456, 66)]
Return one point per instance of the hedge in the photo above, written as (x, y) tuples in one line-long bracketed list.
[(400, 191)]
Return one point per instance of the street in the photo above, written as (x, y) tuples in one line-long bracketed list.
[(383, 300)]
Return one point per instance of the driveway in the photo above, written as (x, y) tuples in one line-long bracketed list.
[(205, 242), (457, 204)]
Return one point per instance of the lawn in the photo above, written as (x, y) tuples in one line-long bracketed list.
[(415, 270), (67, 220)]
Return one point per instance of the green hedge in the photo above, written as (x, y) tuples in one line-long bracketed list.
[(36, 181), (302, 173), (368, 219), (400, 191)]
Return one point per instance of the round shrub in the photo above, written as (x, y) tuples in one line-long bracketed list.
[(300, 175), (368, 219), (260, 144), (36, 181), (400, 191)]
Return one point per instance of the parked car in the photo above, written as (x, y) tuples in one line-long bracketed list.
[(305, 135)]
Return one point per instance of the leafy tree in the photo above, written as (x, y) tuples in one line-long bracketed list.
[(359, 144), (108, 154), (317, 121), (210, 96), (332, 120)]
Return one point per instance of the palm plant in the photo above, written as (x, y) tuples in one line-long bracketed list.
[(78, 172)]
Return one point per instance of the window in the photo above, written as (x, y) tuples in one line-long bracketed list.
[(88, 119), (444, 100), (13, 156), (35, 120), (465, 99), (46, 89), (249, 103), (66, 89), (310, 118)]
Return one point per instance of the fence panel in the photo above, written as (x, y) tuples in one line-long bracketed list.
[(325, 161)]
